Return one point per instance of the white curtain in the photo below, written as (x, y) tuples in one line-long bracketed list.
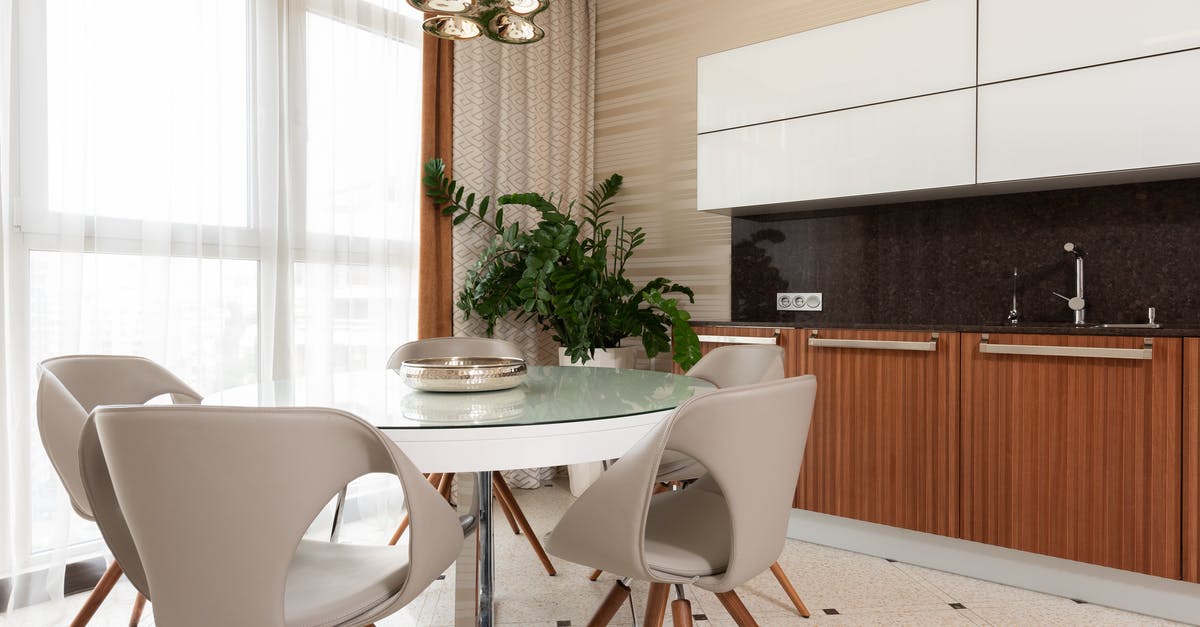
[(228, 187)]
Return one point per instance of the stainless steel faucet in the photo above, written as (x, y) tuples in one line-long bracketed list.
[(1076, 303)]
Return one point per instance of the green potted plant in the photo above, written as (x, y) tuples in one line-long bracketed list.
[(566, 271)]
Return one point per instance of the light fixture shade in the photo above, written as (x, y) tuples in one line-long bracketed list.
[(452, 27), (506, 21), (444, 6), (510, 28)]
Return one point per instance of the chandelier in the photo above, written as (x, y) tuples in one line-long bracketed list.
[(506, 21)]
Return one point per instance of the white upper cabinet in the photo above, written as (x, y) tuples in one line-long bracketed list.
[(1124, 116), (1019, 38), (915, 50), (918, 143)]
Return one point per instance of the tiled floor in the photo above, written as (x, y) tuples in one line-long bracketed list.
[(839, 587)]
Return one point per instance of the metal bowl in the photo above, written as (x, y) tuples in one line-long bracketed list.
[(463, 374)]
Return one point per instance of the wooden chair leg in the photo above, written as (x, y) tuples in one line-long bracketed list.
[(681, 613), (613, 602), (139, 604), (595, 575), (508, 515), (656, 604), (99, 593), (733, 604), (501, 487), (445, 484), (435, 479), (777, 570)]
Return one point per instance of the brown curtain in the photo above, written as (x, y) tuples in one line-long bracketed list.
[(435, 311)]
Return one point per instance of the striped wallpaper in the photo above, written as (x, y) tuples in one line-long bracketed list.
[(645, 120)]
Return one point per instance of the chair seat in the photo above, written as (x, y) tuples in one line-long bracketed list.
[(329, 584), (676, 466), (687, 534)]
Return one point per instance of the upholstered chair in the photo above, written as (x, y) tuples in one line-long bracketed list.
[(69, 388), (206, 509), (472, 347), (723, 530)]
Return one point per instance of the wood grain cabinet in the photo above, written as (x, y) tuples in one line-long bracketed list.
[(1191, 459), (883, 446), (714, 336), (1071, 447)]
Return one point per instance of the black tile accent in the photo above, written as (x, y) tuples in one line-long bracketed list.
[(950, 261), (1080, 601), (699, 617), (564, 623), (958, 606), (890, 561), (441, 577), (831, 612)]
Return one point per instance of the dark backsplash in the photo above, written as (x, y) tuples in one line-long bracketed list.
[(951, 261)]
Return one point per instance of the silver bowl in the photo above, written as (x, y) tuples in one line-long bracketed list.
[(463, 374)]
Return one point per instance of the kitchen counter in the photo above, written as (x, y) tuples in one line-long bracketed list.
[(1049, 328)]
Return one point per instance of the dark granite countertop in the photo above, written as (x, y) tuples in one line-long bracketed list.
[(1050, 328)]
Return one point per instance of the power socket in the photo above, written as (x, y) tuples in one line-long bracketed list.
[(798, 301)]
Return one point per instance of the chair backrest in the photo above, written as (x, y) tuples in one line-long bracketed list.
[(217, 499), (454, 347), (741, 364), (70, 387), (752, 463)]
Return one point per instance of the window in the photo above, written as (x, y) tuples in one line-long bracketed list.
[(223, 188)]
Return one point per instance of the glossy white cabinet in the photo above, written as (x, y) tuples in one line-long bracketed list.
[(918, 143), (1019, 38), (1136, 114), (920, 49)]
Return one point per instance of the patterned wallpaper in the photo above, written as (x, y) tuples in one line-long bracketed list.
[(523, 123), (646, 120)]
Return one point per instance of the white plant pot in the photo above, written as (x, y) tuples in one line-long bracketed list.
[(619, 357), (583, 475)]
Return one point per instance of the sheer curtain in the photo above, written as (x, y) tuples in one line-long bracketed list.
[(227, 187)]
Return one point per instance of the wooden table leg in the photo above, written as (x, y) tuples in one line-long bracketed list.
[(103, 587), (656, 604), (139, 604), (733, 604), (613, 602), (777, 570), (681, 613), (506, 495)]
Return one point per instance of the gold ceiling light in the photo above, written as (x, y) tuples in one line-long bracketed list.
[(505, 21)]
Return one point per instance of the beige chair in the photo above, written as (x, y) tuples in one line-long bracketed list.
[(206, 507), (69, 388), (725, 367), (718, 533), (472, 347)]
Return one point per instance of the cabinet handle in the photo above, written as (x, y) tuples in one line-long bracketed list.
[(1146, 352), (887, 345), (740, 339)]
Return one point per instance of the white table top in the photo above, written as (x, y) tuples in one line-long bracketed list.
[(559, 415)]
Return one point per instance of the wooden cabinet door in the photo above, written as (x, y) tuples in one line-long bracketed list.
[(1191, 459), (714, 336), (1074, 457), (883, 446)]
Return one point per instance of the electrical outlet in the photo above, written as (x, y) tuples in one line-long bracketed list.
[(798, 301)]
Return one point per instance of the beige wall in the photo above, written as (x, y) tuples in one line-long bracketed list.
[(645, 120)]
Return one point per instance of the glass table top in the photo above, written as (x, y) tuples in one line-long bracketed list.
[(549, 394)]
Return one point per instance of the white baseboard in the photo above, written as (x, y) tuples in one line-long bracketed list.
[(1134, 592)]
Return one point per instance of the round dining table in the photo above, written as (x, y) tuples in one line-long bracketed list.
[(558, 415)]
